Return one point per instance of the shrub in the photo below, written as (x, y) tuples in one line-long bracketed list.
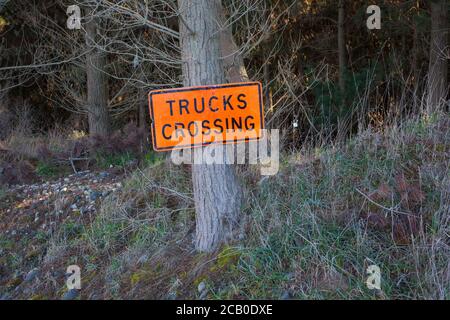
[(46, 170), (114, 160), (6, 120), (16, 173)]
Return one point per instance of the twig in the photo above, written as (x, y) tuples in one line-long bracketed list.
[(73, 166), (152, 184), (76, 159), (381, 206)]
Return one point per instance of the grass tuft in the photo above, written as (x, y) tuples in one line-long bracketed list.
[(311, 231)]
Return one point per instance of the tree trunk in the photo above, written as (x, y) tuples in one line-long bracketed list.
[(267, 91), (217, 193), (97, 84), (233, 63), (341, 46), (267, 75), (144, 118), (143, 113), (439, 53)]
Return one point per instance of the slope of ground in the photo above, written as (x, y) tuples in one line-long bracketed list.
[(309, 232)]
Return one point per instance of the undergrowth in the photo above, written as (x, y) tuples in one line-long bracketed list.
[(311, 231)]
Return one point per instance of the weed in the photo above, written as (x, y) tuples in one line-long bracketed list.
[(3, 193), (105, 161), (151, 158), (71, 230), (46, 170), (310, 231)]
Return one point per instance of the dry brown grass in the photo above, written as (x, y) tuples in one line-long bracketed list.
[(310, 231)]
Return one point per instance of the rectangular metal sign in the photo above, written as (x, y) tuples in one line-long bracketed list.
[(198, 116)]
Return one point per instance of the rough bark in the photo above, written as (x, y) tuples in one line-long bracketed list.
[(439, 53), (144, 119), (143, 116), (217, 192), (232, 60), (341, 46), (97, 84)]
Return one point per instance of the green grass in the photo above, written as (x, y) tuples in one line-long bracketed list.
[(71, 230), (152, 158), (307, 231), (46, 170), (2, 193), (5, 243), (114, 160)]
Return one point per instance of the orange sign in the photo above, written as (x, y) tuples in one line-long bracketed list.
[(198, 116)]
